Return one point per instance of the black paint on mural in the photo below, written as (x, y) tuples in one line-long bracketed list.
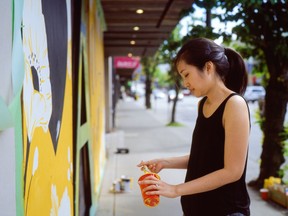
[(35, 79), (55, 14)]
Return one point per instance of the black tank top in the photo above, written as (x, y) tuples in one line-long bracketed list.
[(206, 156)]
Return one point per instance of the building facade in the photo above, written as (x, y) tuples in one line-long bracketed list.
[(52, 106)]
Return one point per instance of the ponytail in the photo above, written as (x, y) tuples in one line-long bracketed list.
[(236, 78)]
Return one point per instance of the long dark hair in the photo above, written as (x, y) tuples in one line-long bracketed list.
[(229, 64)]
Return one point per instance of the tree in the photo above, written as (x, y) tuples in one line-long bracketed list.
[(205, 29), (264, 28), (167, 53), (149, 65)]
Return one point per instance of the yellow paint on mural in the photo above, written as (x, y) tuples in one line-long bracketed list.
[(49, 177), (96, 68)]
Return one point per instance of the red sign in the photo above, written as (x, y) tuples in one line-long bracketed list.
[(126, 62)]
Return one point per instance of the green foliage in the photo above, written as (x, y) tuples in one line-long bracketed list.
[(260, 119), (161, 78), (263, 26), (284, 137), (201, 31), (168, 51), (283, 172), (149, 65), (175, 124)]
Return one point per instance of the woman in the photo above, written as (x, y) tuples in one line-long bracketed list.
[(216, 166)]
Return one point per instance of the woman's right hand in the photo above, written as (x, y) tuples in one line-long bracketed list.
[(154, 166)]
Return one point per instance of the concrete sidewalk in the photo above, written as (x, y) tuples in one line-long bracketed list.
[(144, 133)]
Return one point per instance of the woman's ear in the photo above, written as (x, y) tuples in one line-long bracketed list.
[(209, 66)]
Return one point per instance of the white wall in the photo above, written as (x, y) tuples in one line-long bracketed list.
[(7, 143)]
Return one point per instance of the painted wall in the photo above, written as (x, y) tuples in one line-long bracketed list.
[(46, 168), (91, 106), (97, 95), (47, 113)]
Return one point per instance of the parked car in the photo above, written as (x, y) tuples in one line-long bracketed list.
[(254, 93), (158, 94), (172, 95)]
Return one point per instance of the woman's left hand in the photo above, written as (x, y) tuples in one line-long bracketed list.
[(158, 187)]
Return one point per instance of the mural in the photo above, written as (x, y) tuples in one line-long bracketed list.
[(90, 110), (55, 144), (47, 108), (97, 97), (83, 182)]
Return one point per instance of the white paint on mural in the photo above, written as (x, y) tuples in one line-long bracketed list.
[(36, 87), (62, 208), (54, 201), (35, 161)]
